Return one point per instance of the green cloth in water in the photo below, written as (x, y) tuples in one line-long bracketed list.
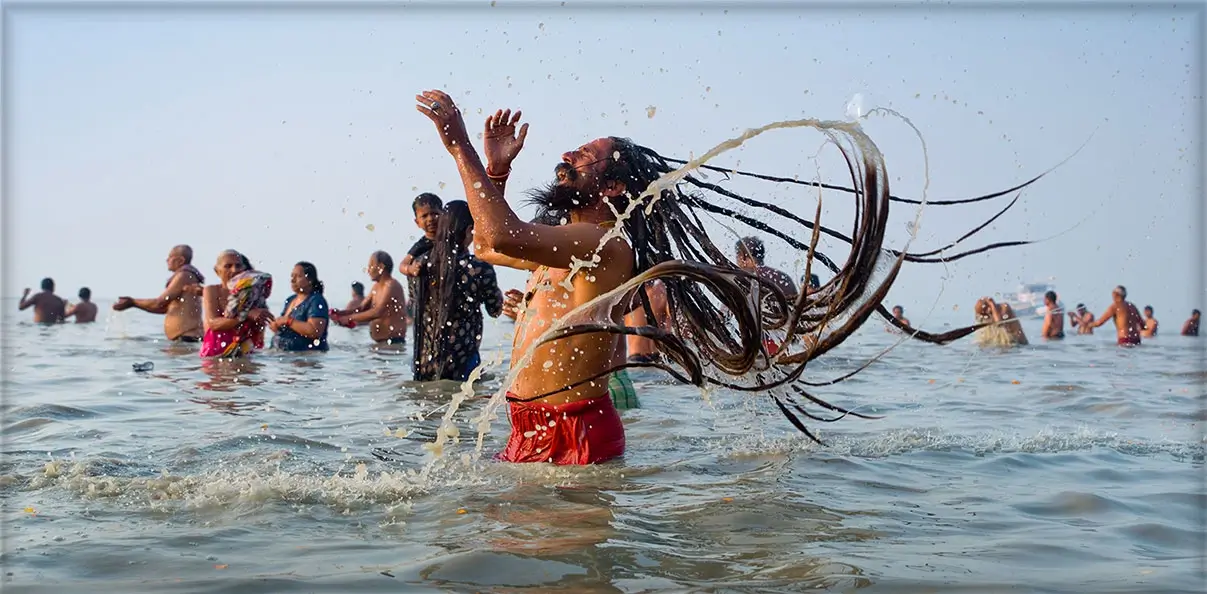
[(620, 387)]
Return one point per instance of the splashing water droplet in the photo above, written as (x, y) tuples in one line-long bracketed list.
[(650, 111), (370, 227), (859, 106)]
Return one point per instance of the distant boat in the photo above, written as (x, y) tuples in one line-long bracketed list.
[(1029, 300)]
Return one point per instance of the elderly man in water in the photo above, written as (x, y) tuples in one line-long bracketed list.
[(1128, 323), (48, 307), (180, 302), (385, 307)]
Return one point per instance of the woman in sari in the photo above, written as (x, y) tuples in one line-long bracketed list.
[(236, 309), (452, 288), (302, 325)]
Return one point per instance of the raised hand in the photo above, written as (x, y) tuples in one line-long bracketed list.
[(439, 108), (501, 143), (123, 303)]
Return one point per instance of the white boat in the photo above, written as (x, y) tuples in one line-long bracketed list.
[(1029, 300)]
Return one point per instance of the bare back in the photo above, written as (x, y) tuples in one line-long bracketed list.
[(84, 313), (393, 323), (48, 307), (568, 361)]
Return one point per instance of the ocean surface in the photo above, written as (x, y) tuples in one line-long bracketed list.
[(1073, 466)]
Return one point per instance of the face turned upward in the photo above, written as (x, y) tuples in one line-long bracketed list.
[(580, 177), (428, 219)]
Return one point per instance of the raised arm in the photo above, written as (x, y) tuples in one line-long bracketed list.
[(496, 225), (494, 258), (378, 307), (159, 305), (26, 301)]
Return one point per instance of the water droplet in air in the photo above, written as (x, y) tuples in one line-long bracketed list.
[(859, 106), (369, 226), (650, 111)]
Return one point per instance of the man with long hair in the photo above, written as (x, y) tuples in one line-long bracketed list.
[(619, 215)]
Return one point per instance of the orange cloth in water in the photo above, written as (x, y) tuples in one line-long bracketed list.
[(583, 432)]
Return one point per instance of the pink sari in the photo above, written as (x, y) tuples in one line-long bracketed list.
[(248, 290)]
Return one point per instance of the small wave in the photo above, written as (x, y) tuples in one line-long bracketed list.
[(57, 412)]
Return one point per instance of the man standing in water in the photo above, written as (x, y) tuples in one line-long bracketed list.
[(180, 302), (553, 417), (48, 307), (899, 315), (1150, 323), (1082, 319), (385, 307), (1191, 327), (85, 312), (1128, 323), (1054, 318)]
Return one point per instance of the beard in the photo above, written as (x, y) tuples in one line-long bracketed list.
[(569, 191)]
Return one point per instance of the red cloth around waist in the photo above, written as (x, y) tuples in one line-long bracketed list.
[(583, 432)]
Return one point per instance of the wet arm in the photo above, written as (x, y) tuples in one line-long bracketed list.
[(311, 328), (159, 305), (214, 318), (27, 302), (497, 227), (375, 309), (494, 258), (1107, 316), (1047, 325)]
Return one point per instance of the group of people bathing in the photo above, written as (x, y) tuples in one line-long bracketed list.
[(559, 412), (1130, 326)]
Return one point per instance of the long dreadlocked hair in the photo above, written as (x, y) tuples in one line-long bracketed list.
[(722, 315)]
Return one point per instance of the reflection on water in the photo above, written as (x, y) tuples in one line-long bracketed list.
[(1065, 467)]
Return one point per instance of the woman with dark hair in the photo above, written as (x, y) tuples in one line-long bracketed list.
[(302, 325), (453, 286), (236, 309)]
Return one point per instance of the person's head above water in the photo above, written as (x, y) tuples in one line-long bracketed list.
[(1194, 314), (456, 226), (1119, 293), (358, 289), (85, 293), (426, 207), (1050, 298), (380, 265), (898, 311), (1148, 310), (304, 279), (48, 285), (231, 263), (750, 253), (179, 256)]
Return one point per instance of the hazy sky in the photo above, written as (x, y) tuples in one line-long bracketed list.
[(285, 133)]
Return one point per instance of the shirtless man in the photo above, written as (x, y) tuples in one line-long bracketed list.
[(1054, 318), (1128, 323), (986, 309), (899, 314), (85, 312), (384, 308), (1082, 319), (48, 307), (554, 417), (1150, 323), (180, 302), (1191, 327)]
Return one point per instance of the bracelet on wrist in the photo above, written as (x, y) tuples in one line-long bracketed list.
[(504, 175)]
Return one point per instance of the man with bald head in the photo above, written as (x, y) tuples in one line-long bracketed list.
[(180, 302)]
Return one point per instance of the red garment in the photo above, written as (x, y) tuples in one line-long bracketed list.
[(1129, 340), (771, 347), (583, 432)]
